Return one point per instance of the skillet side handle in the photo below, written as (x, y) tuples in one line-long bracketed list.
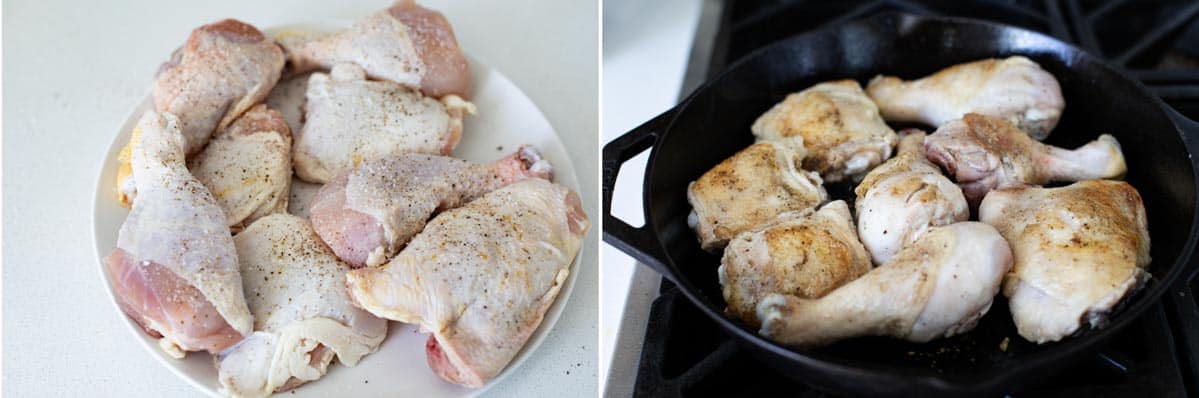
[(639, 243)]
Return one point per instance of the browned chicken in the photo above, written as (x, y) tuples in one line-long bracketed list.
[(805, 254), (983, 153), (223, 69), (247, 166), (407, 44), (1079, 250), (1015, 89), (748, 189), (838, 125)]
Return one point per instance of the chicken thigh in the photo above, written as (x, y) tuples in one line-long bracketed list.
[(983, 153), (1014, 89), (1079, 251), (805, 254), (223, 69), (938, 286), (838, 125), (174, 270), (480, 277), (295, 287), (406, 44), (748, 189), (368, 214), (903, 197), (350, 120), (247, 166)]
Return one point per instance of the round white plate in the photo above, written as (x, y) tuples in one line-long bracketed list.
[(506, 120)]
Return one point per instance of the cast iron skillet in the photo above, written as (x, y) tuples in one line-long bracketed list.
[(713, 123)]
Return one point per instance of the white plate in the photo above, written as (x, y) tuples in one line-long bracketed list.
[(506, 119)]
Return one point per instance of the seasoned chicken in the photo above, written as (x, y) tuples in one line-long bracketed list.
[(1014, 89), (295, 287), (406, 44), (350, 120), (940, 285), (805, 254), (983, 153), (223, 69), (247, 166), (900, 199), (480, 277), (838, 125), (1079, 251), (748, 189), (368, 214), (174, 269)]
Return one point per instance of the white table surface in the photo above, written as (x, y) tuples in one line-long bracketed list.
[(74, 70), (646, 48)]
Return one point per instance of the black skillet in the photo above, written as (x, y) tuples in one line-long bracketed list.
[(713, 123)]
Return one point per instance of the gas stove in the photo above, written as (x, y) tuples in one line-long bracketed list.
[(684, 354)]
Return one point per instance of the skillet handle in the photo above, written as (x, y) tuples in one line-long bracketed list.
[(640, 243)]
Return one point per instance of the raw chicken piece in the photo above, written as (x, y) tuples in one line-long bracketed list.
[(805, 254), (480, 277), (407, 44), (368, 214), (748, 189), (1015, 89), (351, 120), (900, 199), (247, 166), (1079, 251), (838, 125), (295, 287), (940, 285), (223, 69), (983, 153), (174, 269)]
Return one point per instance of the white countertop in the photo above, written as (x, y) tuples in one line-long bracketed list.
[(646, 49), (74, 70)]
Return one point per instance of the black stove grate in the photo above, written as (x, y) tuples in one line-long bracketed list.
[(685, 354)]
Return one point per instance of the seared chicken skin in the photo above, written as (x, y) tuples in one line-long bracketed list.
[(247, 166), (903, 197), (838, 125), (406, 44), (748, 189), (938, 286), (295, 287), (350, 120), (983, 153), (1079, 251), (174, 269), (223, 69), (480, 277), (1014, 89), (805, 254), (370, 213)]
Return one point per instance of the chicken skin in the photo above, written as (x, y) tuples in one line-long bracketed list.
[(406, 44), (174, 270), (838, 125), (1014, 89), (903, 197), (295, 287), (940, 285), (351, 120), (983, 153), (247, 166), (223, 69), (370, 213), (805, 254), (1079, 250), (480, 277), (748, 189)]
